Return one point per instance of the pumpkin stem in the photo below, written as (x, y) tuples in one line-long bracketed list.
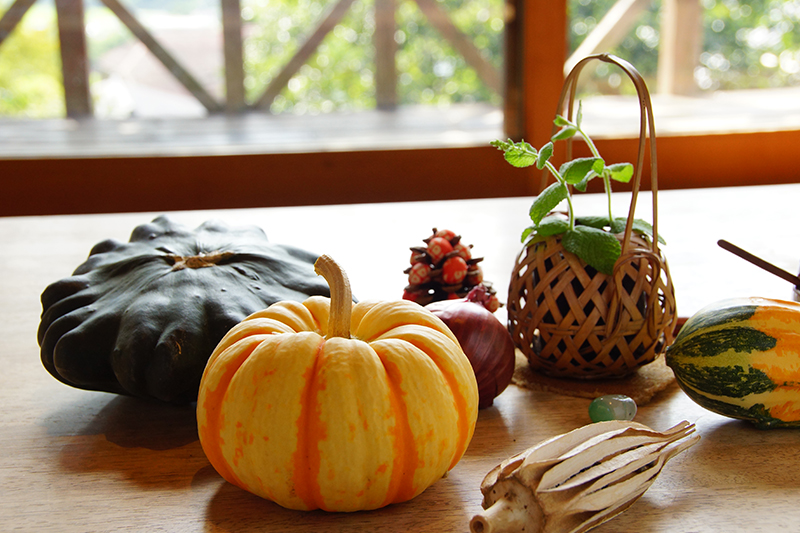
[(341, 296)]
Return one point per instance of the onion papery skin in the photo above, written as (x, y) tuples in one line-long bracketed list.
[(486, 342)]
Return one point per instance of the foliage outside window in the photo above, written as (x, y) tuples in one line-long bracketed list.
[(338, 77), (30, 67), (747, 45), (753, 44)]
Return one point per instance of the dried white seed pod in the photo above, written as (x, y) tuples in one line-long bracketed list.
[(578, 480)]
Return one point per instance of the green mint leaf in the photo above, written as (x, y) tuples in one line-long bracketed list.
[(519, 154), (561, 121), (520, 159), (533, 239), (618, 225), (565, 133), (595, 247), (593, 221), (552, 225), (547, 200), (584, 183), (644, 227), (599, 166), (527, 233), (545, 153), (639, 226), (622, 172), (576, 170)]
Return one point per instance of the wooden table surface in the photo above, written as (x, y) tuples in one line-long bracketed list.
[(82, 461)]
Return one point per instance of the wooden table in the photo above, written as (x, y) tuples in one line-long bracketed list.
[(74, 460)]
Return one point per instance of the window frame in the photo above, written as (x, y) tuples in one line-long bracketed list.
[(536, 52)]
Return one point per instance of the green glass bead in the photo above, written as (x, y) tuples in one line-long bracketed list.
[(612, 407)]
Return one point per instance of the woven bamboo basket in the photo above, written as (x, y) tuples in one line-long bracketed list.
[(572, 321)]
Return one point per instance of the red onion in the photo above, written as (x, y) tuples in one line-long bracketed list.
[(486, 342)]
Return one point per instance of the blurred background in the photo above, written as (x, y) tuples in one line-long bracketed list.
[(745, 45)]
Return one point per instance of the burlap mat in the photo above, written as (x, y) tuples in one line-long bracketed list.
[(642, 385)]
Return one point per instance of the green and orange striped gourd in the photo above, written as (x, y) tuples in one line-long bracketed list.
[(337, 406), (741, 358)]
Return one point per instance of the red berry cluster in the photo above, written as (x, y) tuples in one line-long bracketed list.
[(443, 269)]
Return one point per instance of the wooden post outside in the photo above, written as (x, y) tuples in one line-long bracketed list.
[(234, 57), (74, 58), (681, 45), (385, 51)]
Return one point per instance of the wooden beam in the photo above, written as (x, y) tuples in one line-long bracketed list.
[(681, 45), (234, 56), (544, 51), (385, 51), (126, 184), (463, 45), (711, 161), (48, 186), (74, 59), (177, 70), (13, 16), (513, 96), (309, 46)]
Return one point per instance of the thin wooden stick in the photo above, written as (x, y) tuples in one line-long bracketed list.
[(769, 267)]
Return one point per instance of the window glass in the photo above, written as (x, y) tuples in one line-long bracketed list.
[(742, 74), (128, 81), (340, 73), (445, 52)]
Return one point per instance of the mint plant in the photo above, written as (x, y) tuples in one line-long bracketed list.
[(590, 238)]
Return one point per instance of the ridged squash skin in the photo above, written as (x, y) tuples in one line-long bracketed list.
[(337, 424), (741, 358), (142, 317)]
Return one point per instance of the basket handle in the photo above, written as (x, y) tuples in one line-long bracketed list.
[(647, 123)]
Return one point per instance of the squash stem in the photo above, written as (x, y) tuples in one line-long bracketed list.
[(341, 296)]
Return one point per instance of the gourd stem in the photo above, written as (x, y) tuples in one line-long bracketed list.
[(518, 510), (341, 296)]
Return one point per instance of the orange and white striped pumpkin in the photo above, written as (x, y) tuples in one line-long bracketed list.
[(329, 405)]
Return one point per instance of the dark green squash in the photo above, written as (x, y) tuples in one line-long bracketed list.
[(141, 318)]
